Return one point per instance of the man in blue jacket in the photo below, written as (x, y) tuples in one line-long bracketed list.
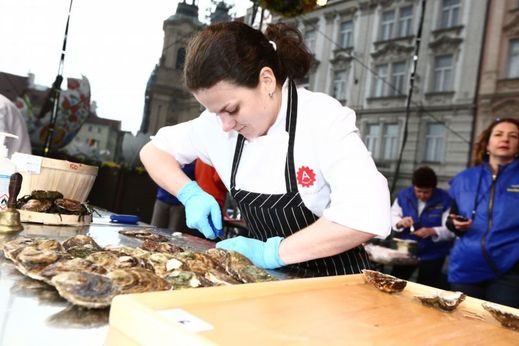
[(419, 213)]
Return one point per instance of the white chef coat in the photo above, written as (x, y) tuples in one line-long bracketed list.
[(347, 189), (13, 122)]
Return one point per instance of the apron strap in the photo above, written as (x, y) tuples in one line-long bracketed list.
[(291, 120), (290, 126)]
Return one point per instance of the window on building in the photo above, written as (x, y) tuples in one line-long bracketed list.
[(434, 142), (390, 141), (450, 13), (346, 34), (381, 80), (397, 79), (513, 59), (90, 128), (339, 85), (310, 40), (372, 139), (387, 25), (395, 74), (181, 58), (443, 72), (405, 21)]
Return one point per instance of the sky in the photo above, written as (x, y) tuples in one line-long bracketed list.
[(114, 43)]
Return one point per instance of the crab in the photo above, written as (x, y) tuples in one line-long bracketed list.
[(53, 202)]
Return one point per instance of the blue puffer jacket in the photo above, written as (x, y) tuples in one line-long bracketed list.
[(166, 197), (431, 217), (490, 246)]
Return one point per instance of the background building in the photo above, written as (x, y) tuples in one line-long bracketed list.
[(499, 80), (168, 102), (364, 57)]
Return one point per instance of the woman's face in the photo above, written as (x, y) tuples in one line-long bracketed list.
[(251, 112), (503, 143)]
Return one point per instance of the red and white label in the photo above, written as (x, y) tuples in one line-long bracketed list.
[(305, 176)]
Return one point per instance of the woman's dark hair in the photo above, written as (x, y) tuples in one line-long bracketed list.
[(480, 148), (236, 52), (424, 177)]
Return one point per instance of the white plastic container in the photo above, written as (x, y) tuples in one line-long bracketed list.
[(6, 169)]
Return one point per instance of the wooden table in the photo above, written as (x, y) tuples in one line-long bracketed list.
[(341, 310)]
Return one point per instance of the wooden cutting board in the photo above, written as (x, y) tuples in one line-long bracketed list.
[(322, 311)]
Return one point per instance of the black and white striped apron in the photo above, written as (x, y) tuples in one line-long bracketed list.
[(270, 215)]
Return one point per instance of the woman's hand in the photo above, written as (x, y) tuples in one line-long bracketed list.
[(461, 223), (425, 232)]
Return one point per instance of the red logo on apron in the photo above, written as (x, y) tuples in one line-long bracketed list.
[(305, 176)]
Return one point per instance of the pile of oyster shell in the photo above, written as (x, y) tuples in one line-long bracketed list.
[(89, 275), (51, 202)]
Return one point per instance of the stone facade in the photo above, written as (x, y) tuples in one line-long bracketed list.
[(364, 57), (167, 100), (499, 81)]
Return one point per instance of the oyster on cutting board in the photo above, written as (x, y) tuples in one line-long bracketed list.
[(507, 318), (443, 300), (384, 282)]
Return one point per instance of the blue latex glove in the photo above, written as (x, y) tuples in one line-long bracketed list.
[(262, 254), (202, 211)]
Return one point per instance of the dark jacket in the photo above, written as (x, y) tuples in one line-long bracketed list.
[(431, 217)]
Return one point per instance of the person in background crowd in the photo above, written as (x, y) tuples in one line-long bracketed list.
[(292, 159), (484, 262), (13, 122), (419, 213), (168, 212), (209, 180)]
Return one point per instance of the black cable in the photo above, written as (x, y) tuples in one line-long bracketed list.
[(409, 96), (55, 92)]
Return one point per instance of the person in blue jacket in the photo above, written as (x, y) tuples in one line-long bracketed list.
[(419, 213), (168, 212), (484, 262)]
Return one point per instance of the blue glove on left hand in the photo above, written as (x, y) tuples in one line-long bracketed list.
[(202, 210), (262, 254)]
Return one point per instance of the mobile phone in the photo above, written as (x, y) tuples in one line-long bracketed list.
[(461, 218)]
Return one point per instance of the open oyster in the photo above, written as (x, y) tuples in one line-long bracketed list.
[(114, 260), (384, 282), (85, 289), (507, 318), (186, 279), (444, 300)]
